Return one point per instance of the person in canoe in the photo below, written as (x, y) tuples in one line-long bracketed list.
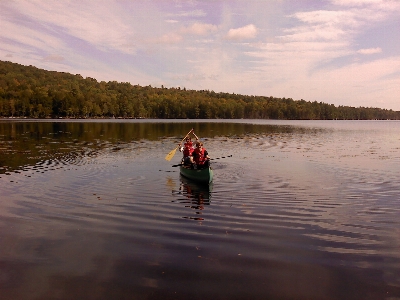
[(187, 150), (200, 156)]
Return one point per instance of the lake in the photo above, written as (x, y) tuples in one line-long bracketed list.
[(90, 209)]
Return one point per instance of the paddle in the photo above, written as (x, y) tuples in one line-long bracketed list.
[(172, 153), (221, 157), (210, 159), (197, 138)]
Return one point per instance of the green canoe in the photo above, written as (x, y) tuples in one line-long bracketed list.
[(203, 175)]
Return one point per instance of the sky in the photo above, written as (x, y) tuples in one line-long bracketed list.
[(341, 52)]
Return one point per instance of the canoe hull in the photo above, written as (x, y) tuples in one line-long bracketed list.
[(201, 176)]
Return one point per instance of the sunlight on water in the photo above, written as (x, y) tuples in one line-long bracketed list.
[(305, 210)]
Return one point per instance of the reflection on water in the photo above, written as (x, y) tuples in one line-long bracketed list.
[(194, 196), (301, 210)]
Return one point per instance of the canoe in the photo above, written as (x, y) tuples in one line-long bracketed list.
[(202, 175)]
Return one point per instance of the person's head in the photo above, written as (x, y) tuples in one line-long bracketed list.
[(188, 139), (199, 145)]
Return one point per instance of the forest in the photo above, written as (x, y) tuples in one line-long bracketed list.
[(30, 92)]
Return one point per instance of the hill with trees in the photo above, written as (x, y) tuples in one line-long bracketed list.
[(26, 91)]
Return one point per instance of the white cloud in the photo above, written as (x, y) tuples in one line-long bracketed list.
[(363, 82), (375, 6), (84, 21), (54, 58), (326, 17), (30, 37), (324, 25), (323, 36), (199, 29), (314, 33), (291, 61), (189, 77), (246, 32), (370, 51), (177, 36), (193, 13), (337, 24), (168, 38), (355, 2)]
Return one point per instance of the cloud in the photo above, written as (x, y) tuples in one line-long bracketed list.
[(81, 21), (354, 79), (54, 58), (355, 2), (175, 37), (246, 32), (370, 51), (168, 38), (313, 33), (189, 77), (31, 37), (325, 16), (325, 27), (199, 29), (391, 6), (193, 13), (324, 35)]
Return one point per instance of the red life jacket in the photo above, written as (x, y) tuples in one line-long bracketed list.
[(188, 149), (199, 156)]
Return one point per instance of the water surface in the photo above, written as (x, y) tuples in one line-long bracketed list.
[(302, 210)]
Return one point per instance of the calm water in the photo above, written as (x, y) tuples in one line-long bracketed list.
[(302, 210)]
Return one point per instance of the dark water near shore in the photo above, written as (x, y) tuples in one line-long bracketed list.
[(302, 210)]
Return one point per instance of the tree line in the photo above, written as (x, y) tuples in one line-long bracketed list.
[(26, 91)]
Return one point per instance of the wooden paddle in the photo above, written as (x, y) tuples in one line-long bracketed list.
[(172, 153), (197, 138)]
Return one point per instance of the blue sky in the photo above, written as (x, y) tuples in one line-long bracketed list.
[(343, 52)]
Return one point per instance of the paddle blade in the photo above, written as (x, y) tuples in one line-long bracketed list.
[(170, 155), (174, 166)]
